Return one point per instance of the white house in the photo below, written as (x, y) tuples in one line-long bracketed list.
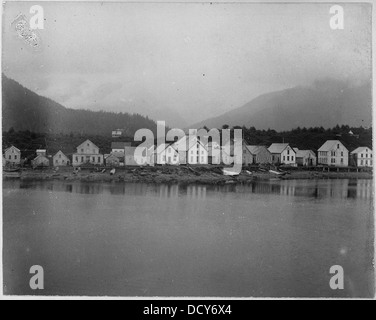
[(333, 153), (191, 150), (282, 153), (87, 153), (362, 157), (214, 152), (12, 155), (247, 155), (40, 161), (172, 155), (60, 159), (111, 160), (261, 154), (305, 158)]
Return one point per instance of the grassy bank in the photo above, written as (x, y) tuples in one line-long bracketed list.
[(170, 174)]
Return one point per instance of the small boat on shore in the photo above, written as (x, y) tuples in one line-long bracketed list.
[(12, 170), (112, 172), (277, 173), (229, 173)]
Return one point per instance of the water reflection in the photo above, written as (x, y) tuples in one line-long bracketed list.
[(340, 189), (265, 238)]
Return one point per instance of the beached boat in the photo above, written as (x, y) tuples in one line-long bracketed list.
[(229, 173), (112, 172), (277, 173), (12, 170)]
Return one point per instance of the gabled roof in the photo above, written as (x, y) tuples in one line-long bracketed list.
[(187, 143), (304, 153), (278, 147), (120, 145), (40, 156), (255, 149), (87, 140), (58, 153), (111, 155), (13, 148), (162, 147), (329, 145), (360, 150)]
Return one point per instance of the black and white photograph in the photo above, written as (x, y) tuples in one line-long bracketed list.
[(180, 150)]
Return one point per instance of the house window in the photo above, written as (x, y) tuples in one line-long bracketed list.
[(76, 159), (82, 159), (192, 159), (82, 150), (15, 157), (202, 159), (288, 151), (342, 154), (93, 159), (337, 146), (56, 161), (99, 159), (60, 156), (361, 162), (342, 160), (288, 158), (63, 161), (10, 157)]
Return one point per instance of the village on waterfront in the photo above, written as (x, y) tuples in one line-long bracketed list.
[(198, 162)]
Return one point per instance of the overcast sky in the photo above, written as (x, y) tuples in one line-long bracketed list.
[(197, 59)]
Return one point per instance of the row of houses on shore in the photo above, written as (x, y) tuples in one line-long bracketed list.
[(191, 150)]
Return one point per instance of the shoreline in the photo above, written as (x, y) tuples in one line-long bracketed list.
[(174, 174)]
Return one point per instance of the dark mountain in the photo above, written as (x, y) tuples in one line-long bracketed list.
[(25, 110), (326, 103)]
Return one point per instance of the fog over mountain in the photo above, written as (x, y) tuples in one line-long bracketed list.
[(325, 103), (22, 109)]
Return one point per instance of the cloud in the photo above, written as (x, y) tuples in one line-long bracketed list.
[(197, 59)]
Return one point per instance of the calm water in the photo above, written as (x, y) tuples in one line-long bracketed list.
[(273, 238)]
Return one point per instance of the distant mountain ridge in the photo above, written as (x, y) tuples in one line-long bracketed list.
[(25, 110), (326, 103)]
